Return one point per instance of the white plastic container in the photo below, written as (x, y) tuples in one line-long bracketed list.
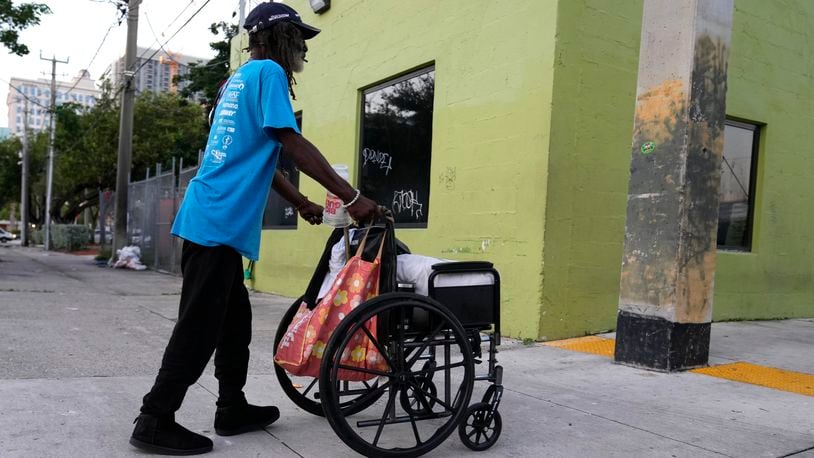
[(334, 214)]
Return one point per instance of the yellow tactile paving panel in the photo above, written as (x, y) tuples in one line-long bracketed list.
[(769, 377), (779, 379), (589, 344)]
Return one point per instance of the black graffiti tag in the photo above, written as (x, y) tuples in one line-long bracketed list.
[(383, 160), (407, 201)]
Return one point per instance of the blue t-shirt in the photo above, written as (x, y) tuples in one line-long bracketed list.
[(225, 201)]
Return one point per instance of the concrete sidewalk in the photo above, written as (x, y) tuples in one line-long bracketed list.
[(80, 345)]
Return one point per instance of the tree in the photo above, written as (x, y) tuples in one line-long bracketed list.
[(206, 79), (9, 171), (165, 126), (14, 19)]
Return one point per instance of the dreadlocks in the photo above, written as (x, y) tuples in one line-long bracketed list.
[(283, 43)]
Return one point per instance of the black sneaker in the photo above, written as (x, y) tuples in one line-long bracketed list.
[(162, 435), (243, 418)]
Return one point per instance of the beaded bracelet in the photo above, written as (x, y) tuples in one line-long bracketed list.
[(358, 193)]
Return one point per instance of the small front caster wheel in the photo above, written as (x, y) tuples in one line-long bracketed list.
[(481, 428)]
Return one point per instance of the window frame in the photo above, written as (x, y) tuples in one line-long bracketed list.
[(363, 92), (290, 227), (755, 127)]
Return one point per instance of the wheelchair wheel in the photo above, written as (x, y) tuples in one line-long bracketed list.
[(429, 411), (304, 391), (411, 397), (480, 428)]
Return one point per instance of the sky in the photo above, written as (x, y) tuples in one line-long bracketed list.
[(75, 29)]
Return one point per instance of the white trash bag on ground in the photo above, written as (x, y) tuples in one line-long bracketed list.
[(129, 258)]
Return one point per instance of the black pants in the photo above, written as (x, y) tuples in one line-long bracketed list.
[(214, 316)]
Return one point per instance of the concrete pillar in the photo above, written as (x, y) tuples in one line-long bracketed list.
[(668, 267)]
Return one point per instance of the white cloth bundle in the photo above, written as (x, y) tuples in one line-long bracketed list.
[(129, 258)]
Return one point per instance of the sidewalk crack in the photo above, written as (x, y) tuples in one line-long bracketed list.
[(156, 313), (797, 452), (264, 429), (282, 442)]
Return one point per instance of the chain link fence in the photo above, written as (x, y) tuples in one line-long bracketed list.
[(151, 207)]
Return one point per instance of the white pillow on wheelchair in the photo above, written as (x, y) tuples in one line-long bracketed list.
[(416, 269)]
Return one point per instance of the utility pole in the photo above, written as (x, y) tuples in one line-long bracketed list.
[(52, 122), (668, 266), (25, 173), (126, 127), (242, 16)]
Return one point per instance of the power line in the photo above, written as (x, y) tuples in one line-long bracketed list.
[(160, 46), (119, 89), (179, 15), (165, 29), (173, 35), (94, 55), (210, 63), (735, 176), (34, 101)]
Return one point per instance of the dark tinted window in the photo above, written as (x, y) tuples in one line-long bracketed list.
[(396, 146), (738, 172), (280, 213)]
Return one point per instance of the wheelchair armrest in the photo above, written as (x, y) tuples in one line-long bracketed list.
[(463, 266)]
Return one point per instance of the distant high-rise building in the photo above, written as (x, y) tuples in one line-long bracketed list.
[(80, 90), (156, 70)]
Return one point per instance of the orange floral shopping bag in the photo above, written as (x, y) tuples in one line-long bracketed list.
[(300, 350)]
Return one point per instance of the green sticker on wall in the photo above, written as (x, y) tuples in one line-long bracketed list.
[(648, 147)]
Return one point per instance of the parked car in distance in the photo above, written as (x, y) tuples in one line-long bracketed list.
[(6, 236)]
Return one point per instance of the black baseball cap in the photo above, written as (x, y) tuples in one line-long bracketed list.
[(266, 14)]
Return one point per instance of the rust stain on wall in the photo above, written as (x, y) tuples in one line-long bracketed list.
[(670, 239), (658, 110)]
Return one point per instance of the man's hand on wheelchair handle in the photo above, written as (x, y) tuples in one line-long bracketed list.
[(363, 210)]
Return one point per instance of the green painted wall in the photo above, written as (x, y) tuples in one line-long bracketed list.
[(592, 125), (531, 148), (770, 81), (493, 92)]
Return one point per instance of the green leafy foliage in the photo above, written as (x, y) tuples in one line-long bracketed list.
[(14, 19), (166, 126), (205, 79), (9, 171), (86, 144), (70, 237)]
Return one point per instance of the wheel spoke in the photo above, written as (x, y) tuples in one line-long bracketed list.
[(390, 403), (380, 389), (436, 399), (378, 346), (441, 368), (474, 431), (310, 386), (363, 370), (429, 338), (477, 438), (401, 355), (415, 429), (419, 396)]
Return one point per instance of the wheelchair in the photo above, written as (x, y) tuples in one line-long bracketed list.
[(432, 345)]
